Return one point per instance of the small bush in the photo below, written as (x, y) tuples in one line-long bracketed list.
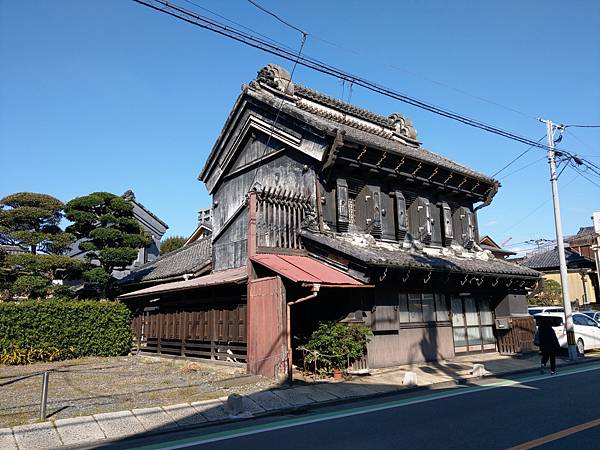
[(17, 355), (334, 346), (58, 329)]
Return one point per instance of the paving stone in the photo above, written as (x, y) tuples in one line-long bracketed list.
[(293, 397), (37, 436), (212, 410), (251, 406), (184, 414), (269, 401), (154, 419), (7, 440), (77, 430), (119, 424), (317, 395), (346, 390)]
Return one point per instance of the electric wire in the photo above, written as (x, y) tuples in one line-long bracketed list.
[(522, 168), (280, 19), (581, 126), (314, 64), (514, 160)]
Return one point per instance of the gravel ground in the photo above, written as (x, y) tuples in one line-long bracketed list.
[(95, 385)]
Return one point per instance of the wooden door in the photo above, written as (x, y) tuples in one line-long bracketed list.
[(266, 327)]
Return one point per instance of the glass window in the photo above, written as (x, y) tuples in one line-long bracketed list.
[(460, 339), (428, 306), (474, 335), (487, 334), (458, 317), (471, 311), (403, 308), (484, 312), (441, 310), (414, 308)]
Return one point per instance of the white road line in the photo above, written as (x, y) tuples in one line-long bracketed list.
[(322, 417)]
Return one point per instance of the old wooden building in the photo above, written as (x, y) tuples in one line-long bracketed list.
[(326, 211)]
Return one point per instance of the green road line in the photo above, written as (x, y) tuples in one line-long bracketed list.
[(321, 417)]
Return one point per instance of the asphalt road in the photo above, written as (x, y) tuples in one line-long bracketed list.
[(563, 410)]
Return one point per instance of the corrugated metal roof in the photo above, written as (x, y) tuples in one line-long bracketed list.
[(304, 269), (230, 276)]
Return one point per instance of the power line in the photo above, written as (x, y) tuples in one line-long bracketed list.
[(283, 21), (582, 126), (523, 168), (517, 158), (204, 22)]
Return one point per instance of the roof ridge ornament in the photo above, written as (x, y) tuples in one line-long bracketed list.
[(276, 77), (403, 126)]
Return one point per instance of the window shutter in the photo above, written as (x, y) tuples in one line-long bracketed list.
[(465, 225), (388, 221), (342, 205), (373, 210), (328, 205), (447, 224), (425, 219), (401, 222)]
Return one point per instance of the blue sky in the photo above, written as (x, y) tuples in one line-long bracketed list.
[(110, 95)]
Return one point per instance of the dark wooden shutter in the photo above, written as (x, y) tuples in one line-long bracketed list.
[(388, 228), (447, 229), (373, 210), (342, 205), (401, 219), (464, 224), (328, 206), (425, 222)]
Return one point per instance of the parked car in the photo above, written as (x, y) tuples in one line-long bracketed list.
[(533, 310), (587, 330), (593, 314)]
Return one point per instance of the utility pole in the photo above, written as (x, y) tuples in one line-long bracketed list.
[(560, 244)]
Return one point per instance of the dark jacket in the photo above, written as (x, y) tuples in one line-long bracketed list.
[(548, 341)]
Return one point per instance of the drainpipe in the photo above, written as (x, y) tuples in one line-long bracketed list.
[(315, 291), (251, 245)]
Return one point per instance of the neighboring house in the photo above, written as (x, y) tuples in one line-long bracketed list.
[(487, 243), (9, 247), (326, 211), (581, 273), (204, 227), (186, 262), (150, 222), (583, 241)]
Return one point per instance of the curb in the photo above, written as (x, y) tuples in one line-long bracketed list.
[(327, 403)]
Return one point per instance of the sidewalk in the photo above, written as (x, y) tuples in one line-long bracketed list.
[(118, 425)]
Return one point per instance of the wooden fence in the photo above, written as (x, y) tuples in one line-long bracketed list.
[(214, 331), (519, 338)]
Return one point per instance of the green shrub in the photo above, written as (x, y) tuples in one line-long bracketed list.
[(59, 329), (334, 346)]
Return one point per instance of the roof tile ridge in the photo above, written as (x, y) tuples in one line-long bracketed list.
[(312, 94)]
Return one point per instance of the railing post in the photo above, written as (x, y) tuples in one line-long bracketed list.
[(44, 398)]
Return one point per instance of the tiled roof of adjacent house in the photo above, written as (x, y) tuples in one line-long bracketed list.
[(190, 259), (392, 255), (549, 260)]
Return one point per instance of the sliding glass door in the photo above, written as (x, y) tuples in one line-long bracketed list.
[(472, 324)]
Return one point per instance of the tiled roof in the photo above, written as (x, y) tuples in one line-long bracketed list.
[(392, 255), (189, 259), (373, 136), (549, 260)]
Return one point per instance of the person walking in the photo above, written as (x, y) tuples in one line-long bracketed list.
[(548, 343)]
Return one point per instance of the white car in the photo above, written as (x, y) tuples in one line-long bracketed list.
[(587, 330), (533, 310)]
